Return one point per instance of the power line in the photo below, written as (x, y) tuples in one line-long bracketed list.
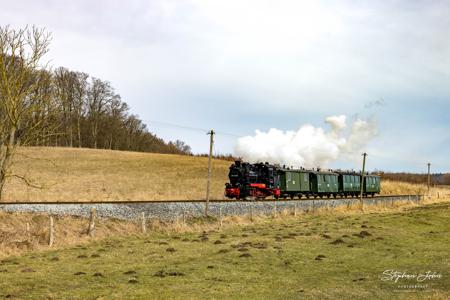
[(191, 128), (418, 162), (176, 125)]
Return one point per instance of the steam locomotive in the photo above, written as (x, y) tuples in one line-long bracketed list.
[(262, 180)]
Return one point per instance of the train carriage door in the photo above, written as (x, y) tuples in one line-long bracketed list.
[(319, 182), (304, 186)]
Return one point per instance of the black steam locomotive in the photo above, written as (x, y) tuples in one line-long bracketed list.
[(252, 180)]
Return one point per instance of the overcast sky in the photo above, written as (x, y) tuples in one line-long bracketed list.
[(238, 66)]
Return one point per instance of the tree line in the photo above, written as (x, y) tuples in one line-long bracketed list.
[(440, 179), (88, 112), (73, 109), (43, 107)]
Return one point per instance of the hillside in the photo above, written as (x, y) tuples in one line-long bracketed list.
[(72, 174), (69, 174)]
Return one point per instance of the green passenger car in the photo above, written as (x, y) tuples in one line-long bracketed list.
[(324, 184), (371, 185), (294, 183), (349, 184)]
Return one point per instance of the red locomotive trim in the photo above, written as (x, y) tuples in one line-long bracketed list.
[(259, 190), (276, 192), (258, 185), (233, 192)]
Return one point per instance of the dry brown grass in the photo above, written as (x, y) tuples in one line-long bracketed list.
[(14, 238), (69, 231), (71, 174), (389, 187)]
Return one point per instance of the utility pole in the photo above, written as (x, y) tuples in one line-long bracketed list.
[(208, 184), (362, 179), (428, 180)]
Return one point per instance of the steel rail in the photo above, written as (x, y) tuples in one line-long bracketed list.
[(131, 202)]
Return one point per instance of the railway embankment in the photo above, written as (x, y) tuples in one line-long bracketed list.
[(172, 210)]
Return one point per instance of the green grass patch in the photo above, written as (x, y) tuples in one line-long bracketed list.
[(312, 256)]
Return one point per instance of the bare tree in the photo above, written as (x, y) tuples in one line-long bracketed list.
[(81, 88), (25, 93), (65, 83), (100, 94), (183, 147), (117, 111)]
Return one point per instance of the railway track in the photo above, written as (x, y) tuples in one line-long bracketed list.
[(176, 209), (131, 202)]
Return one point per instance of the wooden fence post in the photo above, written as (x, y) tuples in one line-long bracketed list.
[(143, 223), (91, 229), (251, 212), (295, 209), (220, 216), (28, 230), (274, 209), (51, 232)]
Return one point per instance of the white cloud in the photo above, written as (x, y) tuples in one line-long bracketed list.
[(240, 60), (309, 146)]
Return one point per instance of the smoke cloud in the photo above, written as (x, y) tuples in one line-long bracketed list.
[(309, 146)]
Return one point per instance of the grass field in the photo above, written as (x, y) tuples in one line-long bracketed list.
[(88, 175), (70, 174), (323, 256)]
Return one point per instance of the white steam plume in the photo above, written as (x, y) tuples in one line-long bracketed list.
[(309, 146)]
